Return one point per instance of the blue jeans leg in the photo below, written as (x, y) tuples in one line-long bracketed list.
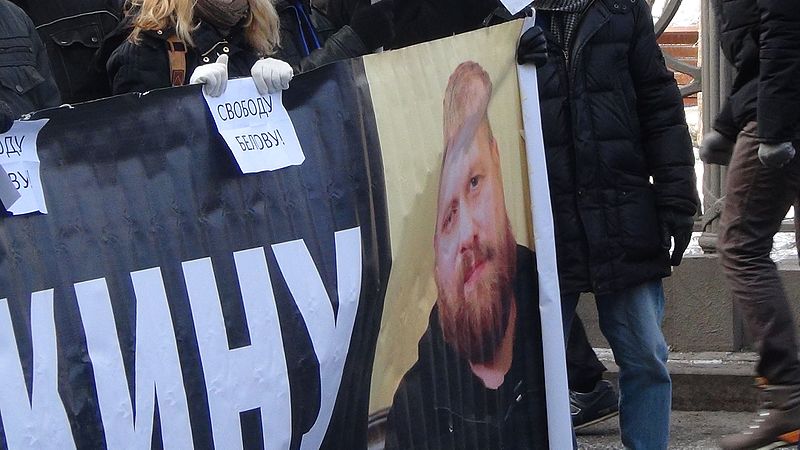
[(631, 322)]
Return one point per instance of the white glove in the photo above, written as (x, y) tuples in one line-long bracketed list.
[(213, 77), (271, 75)]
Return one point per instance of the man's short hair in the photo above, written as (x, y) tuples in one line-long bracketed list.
[(466, 103)]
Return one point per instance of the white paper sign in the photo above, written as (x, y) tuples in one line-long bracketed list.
[(256, 128), (515, 6), (19, 159)]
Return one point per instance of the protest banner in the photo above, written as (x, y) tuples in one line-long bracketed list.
[(169, 300)]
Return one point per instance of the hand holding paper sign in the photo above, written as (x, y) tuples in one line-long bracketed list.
[(257, 128), (213, 76), (271, 75)]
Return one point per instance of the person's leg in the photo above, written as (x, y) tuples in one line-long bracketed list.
[(584, 370), (631, 321), (591, 398), (568, 305), (756, 202)]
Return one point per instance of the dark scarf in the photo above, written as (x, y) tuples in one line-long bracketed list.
[(223, 14), (564, 23)]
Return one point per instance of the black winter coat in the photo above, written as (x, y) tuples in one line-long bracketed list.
[(761, 38), (72, 31), (26, 83), (144, 66), (424, 20), (613, 121), (338, 42)]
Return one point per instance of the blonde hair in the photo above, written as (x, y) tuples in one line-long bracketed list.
[(262, 26)]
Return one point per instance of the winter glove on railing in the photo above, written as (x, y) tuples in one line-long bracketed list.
[(6, 117), (532, 47), (271, 75), (374, 24), (716, 148), (213, 77), (677, 227), (776, 155)]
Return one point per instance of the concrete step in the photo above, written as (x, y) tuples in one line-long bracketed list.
[(705, 381)]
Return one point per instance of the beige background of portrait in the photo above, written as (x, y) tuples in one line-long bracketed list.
[(407, 87)]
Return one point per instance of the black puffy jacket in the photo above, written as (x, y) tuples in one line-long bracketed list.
[(144, 66), (761, 38), (618, 149)]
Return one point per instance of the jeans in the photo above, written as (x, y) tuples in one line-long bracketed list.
[(756, 202), (631, 322)]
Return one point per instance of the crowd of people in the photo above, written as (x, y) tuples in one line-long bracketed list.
[(619, 155)]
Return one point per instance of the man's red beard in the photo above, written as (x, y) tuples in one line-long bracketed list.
[(475, 322)]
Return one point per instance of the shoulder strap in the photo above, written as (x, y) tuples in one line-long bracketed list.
[(177, 60)]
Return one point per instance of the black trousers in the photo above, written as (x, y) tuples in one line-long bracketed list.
[(758, 199), (584, 370)]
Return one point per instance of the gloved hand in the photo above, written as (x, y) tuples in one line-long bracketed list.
[(776, 155), (6, 117), (374, 24), (271, 75), (716, 148), (677, 227), (532, 47), (213, 77)]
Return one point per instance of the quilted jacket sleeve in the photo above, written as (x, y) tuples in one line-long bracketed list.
[(664, 134), (779, 55)]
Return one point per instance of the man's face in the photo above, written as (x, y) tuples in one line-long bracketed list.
[(475, 249)]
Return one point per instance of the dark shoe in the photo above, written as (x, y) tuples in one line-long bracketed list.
[(776, 424), (592, 407)]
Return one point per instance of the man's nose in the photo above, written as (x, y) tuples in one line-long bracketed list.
[(469, 232)]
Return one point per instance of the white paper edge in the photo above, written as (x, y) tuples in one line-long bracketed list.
[(559, 420), (515, 6)]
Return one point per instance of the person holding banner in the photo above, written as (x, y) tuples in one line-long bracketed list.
[(212, 40), (203, 42), (479, 382), (622, 183)]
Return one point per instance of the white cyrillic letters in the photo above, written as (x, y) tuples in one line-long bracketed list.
[(330, 336), (248, 377), (157, 367), (40, 423)]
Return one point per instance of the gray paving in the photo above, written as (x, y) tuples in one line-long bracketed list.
[(690, 430)]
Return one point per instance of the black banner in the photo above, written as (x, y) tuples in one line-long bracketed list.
[(272, 283)]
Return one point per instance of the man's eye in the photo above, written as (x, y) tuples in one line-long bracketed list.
[(473, 182)]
